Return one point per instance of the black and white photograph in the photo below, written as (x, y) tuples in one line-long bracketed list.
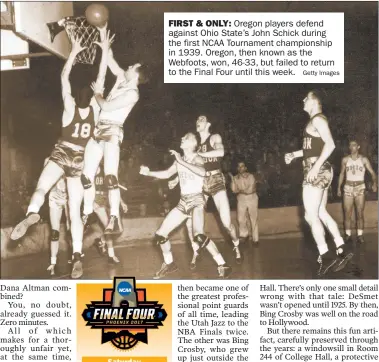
[(107, 170)]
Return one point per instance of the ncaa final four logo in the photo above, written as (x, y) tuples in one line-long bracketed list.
[(124, 315)]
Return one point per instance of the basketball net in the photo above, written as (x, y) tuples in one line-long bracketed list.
[(80, 28)]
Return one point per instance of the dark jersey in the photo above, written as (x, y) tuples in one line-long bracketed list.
[(210, 163), (312, 146), (99, 180), (79, 130)]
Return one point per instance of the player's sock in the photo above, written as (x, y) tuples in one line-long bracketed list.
[(236, 242), (77, 248), (88, 200), (195, 247), (339, 241), (219, 259), (37, 200), (360, 232), (114, 202), (33, 208), (348, 232), (111, 252), (166, 251), (54, 251)]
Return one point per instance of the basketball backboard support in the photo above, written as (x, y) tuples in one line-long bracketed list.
[(30, 19)]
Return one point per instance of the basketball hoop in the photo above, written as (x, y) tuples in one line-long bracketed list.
[(78, 28)]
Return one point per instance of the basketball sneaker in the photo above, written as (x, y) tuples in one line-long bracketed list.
[(100, 246), (326, 262), (360, 239), (51, 269), (237, 254), (85, 219), (348, 239), (22, 227), (193, 261), (224, 271), (165, 269), (113, 260), (114, 226), (77, 267), (343, 257), (70, 260)]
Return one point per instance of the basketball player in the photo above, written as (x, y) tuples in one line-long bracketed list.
[(108, 137), (78, 122), (211, 150), (195, 246), (191, 172), (318, 144), (57, 203), (355, 166), (101, 209)]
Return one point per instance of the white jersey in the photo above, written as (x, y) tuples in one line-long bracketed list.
[(190, 183), (118, 116), (355, 169)]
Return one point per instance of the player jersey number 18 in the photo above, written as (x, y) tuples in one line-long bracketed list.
[(82, 130)]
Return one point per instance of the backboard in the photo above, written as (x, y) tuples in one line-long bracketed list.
[(30, 19), (25, 22), (11, 44)]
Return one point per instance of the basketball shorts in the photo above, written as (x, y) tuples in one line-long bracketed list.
[(354, 191), (112, 133), (57, 199), (214, 184), (324, 177), (101, 201), (71, 161), (188, 202)]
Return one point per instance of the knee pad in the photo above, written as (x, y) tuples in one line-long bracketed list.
[(54, 235), (111, 182), (202, 240), (86, 182), (160, 239)]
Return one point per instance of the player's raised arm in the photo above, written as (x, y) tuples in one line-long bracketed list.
[(68, 100), (216, 142), (105, 45), (112, 64), (163, 175), (114, 67)]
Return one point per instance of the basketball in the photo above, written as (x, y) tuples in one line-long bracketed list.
[(97, 15)]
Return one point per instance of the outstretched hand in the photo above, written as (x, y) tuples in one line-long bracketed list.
[(97, 88), (144, 170), (176, 154), (76, 43), (288, 157), (106, 41)]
